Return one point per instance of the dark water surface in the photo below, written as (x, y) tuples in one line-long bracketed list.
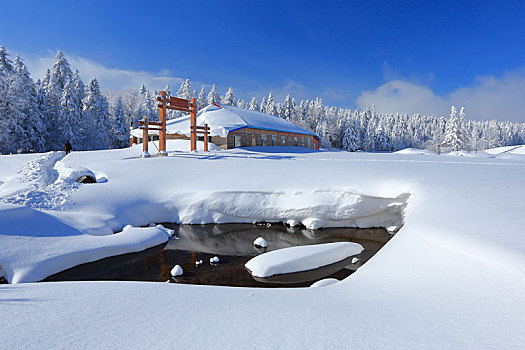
[(233, 244)]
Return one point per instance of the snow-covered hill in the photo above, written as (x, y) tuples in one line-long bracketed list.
[(452, 277)]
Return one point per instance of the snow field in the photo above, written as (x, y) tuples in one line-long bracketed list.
[(452, 277)]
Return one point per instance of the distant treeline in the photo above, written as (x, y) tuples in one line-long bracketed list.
[(41, 116)]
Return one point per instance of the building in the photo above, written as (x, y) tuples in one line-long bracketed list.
[(232, 127)]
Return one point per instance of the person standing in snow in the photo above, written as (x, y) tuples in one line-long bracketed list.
[(67, 147)]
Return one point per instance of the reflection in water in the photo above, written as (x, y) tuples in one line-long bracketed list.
[(233, 244)]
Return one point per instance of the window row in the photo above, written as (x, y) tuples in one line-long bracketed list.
[(271, 140)]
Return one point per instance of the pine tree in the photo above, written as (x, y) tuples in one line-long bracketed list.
[(95, 114), (241, 103), (70, 116), (253, 105), (25, 122), (148, 105), (455, 133), (213, 96), (54, 82), (288, 107), (185, 90), (270, 105), (4, 136), (167, 90), (262, 106), (351, 138), (170, 114), (382, 141), (14, 119), (120, 125), (6, 65), (229, 98), (201, 100)]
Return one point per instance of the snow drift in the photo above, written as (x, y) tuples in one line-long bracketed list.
[(313, 209)]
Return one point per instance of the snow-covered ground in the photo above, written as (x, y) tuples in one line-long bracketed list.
[(452, 277)]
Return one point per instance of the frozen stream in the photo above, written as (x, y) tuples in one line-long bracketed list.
[(233, 244)]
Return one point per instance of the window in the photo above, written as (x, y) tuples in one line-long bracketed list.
[(274, 140), (302, 142), (237, 141), (283, 140), (263, 140), (295, 141), (309, 143)]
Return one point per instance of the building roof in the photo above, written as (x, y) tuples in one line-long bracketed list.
[(224, 119)]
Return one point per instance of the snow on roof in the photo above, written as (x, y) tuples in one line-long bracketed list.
[(224, 119)]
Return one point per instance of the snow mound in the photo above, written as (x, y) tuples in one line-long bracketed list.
[(43, 183), (302, 258), (314, 209), (35, 174), (260, 242), (415, 151), (176, 271), (71, 174), (324, 283), (214, 260)]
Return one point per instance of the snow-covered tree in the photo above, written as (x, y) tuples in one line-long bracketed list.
[(382, 141), (253, 105), (455, 133), (54, 82), (70, 115), (213, 96), (96, 115), (229, 98), (185, 90), (201, 100), (287, 108), (5, 71), (120, 125), (270, 105), (351, 136), (6, 65), (262, 106)]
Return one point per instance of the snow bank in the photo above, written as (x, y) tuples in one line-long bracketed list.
[(314, 209), (303, 258), (520, 149), (36, 245)]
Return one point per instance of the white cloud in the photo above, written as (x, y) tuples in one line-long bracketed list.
[(490, 97), (501, 98), (109, 78)]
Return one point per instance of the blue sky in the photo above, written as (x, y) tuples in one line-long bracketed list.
[(418, 56)]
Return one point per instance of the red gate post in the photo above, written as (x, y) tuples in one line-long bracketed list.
[(193, 125), (162, 119), (206, 137), (145, 139)]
